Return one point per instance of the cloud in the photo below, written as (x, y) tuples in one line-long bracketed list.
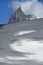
[(29, 7)]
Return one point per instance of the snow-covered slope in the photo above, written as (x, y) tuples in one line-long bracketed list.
[(22, 43)]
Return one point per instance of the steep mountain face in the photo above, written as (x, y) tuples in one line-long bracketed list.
[(20, 16)]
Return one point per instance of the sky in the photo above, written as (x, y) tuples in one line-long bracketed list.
[(7, 7)]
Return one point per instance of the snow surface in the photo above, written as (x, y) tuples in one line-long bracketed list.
[(22, 43)]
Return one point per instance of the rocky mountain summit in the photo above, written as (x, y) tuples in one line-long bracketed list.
[(20, 16)]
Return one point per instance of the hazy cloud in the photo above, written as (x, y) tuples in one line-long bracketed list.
[(29, 7)]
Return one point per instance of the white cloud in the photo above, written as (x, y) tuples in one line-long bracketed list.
[(29, 7)]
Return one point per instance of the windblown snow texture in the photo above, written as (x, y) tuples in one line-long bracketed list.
[(21, 43)]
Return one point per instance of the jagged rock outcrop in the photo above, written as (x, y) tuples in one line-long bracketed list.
[(20, 16), (30, 17)]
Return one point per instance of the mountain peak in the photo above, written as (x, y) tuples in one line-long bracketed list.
[(20, 16), (19, 9)]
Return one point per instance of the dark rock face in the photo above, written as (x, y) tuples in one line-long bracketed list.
[(1, 25), (20, 16)]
